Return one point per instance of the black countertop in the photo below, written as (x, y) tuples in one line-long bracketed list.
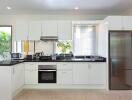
[(69, 60), (73, 59), (17, 61), (10, 62)]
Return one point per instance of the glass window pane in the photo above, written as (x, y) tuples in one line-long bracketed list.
[(14, 47), (19, 46), (84, 39)]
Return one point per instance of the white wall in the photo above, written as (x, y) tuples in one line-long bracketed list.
[(103, 45), (103, 39)]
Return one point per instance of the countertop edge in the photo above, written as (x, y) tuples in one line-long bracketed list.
[(22, 61)]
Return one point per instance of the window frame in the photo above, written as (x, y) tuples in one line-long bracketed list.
[(95, 35)]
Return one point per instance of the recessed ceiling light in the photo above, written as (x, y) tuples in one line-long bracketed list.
[(76, 8), (8, 7)]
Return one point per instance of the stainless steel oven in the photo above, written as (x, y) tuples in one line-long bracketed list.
[(47, 73)]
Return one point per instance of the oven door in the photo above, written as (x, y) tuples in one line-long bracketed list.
[(47, 76)]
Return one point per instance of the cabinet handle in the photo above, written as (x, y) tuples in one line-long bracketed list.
[(64, 72), (13, 71), (89, 66), (64, 64), (31, 64)]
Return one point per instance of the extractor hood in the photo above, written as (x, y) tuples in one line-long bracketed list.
[(49, 38)]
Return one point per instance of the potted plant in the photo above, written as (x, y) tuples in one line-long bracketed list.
[(64, 46)]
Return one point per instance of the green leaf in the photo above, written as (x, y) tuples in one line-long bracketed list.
[(64, 46)]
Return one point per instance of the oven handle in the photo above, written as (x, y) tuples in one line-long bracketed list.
[(47, 70)]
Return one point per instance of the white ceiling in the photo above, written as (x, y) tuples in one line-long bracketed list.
[(65, 6)]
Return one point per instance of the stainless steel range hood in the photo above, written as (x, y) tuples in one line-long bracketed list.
[(49, 38)]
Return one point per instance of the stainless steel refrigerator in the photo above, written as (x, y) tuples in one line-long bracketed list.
[(120, 60)]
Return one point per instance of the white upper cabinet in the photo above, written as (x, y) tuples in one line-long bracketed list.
[(35, 30), (114, 22), (119, 22), (65, 30), (20, 31), (127, 22), (80, 73), (50, 28)]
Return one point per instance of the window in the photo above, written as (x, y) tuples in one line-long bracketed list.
[(84, 39), (63, 47)]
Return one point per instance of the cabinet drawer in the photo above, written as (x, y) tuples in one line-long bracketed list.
[(31, 66), (64, 66)]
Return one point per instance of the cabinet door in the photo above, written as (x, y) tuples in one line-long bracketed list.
[(64, 77), (13, 79), (115, 22), (65, 30), (50, 28), (127, 22), (19, 76), (31, 73), (80, 73), (31, 77), (34, 30), (97, 73), (5, 83), (20, 31)]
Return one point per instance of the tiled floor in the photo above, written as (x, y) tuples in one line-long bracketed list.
[(74, 95)]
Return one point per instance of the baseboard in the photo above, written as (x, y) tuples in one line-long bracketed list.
[(55, 86)]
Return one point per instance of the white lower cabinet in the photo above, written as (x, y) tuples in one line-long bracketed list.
[(31, 73), (80, 73), (64, 73), (31, 77), (89, 73), (97, 73), (5, 83), (18, 76)]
